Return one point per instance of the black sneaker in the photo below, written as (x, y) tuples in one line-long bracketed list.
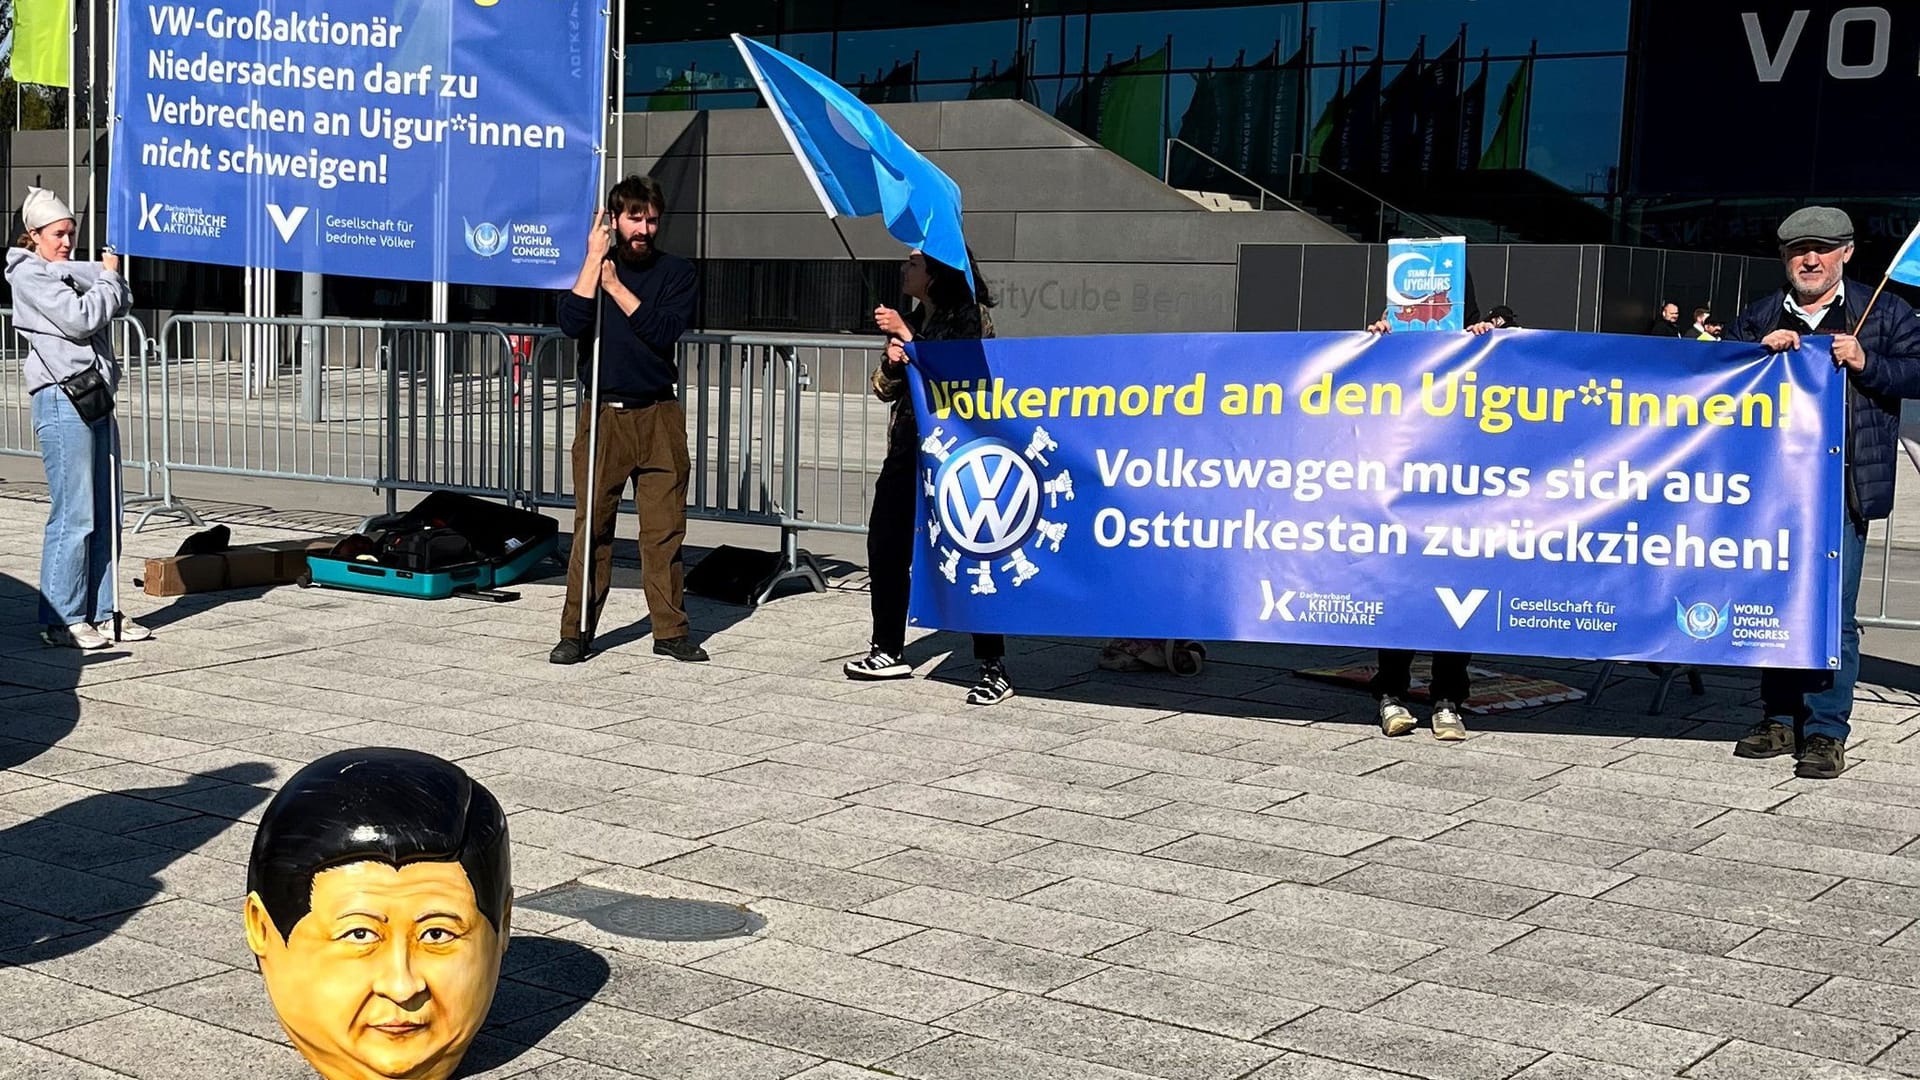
[(1768, 738), (993, 686), (1823, 758), (569, 651), (877, 664), (680, 648)]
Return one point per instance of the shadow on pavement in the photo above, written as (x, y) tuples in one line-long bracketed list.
[(75, 874), (543, 982)]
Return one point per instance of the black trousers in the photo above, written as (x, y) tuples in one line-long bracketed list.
[(1396, 675), (890, 540)]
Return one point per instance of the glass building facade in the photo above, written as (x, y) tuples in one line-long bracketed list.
[(1374, 89), (1691, 124), (1508, 120)]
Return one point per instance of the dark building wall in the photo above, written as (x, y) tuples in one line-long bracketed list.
[(1593, 287), (1071, 238)]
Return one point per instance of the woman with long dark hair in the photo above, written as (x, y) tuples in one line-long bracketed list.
[(64, 309), (947, 310)]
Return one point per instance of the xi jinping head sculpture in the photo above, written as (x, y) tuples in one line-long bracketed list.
[(378, 898)]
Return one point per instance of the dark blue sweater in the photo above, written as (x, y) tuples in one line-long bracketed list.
[(638, 367)]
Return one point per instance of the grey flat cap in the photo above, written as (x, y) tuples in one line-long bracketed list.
[(1824, 223)]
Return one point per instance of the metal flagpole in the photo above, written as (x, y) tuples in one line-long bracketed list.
[(93, 138), (593, 387), (113, 571), (620, 96), (116, 457)]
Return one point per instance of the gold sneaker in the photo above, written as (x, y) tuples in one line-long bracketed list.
[(1395, 719)]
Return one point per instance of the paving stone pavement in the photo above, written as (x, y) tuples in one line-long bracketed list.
[(1110, 876)]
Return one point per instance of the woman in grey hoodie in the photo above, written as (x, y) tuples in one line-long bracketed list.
[(64, 310)]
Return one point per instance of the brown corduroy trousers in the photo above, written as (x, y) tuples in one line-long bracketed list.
[(647, 446)]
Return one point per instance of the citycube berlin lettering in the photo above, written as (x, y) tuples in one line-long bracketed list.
[(1239, 487), (425, 142)]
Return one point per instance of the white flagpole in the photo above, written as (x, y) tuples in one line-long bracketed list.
[(780, 118), (593, 387), (1912, 238), (113, 522), (93, 136)]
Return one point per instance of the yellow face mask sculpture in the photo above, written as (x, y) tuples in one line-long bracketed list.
[(378, 904)]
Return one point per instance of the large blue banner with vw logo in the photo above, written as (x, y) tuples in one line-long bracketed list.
[(427, 140), (1524, 492)]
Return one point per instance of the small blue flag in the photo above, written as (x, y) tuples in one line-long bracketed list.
[(856, 163), (1906, 262)]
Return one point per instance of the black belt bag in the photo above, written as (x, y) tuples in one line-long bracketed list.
[(91, 396)]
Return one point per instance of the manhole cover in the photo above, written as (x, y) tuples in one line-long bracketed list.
[(653, 917)]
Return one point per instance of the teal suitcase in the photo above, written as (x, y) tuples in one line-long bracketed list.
[(507, 543)]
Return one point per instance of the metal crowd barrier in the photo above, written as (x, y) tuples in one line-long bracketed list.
[(744, 396), (782, 432), (1883, 616), (133, 407), (391, 406)]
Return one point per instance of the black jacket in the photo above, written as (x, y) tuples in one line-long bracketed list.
[(970, 323), (1891, 339)]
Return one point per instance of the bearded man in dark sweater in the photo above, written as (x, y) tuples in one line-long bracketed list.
[(631, 302)]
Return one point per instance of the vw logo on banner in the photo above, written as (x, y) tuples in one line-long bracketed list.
[(987, 498)]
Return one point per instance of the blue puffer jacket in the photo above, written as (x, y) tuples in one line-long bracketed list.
[(1891, 339)]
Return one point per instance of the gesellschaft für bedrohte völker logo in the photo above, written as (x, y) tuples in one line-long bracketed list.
[(1701, 621), (986, 499), (486, 239)]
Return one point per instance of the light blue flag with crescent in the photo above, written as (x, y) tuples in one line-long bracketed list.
[(855, 162), (1906, 262)]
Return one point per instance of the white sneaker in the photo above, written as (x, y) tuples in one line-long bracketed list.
[(129, 630), (1394, 717), (1447, 725), (78, 636)]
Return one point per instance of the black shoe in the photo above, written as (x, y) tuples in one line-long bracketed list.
[(1768, 738), (680, 648), (993, 686), (1823, 758), (569, 651), (877, 664)]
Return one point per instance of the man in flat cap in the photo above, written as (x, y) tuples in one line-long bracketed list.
[(1806, 712)]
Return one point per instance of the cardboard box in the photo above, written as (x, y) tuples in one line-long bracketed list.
[(247, 566), (252, 567), (178, 575), (290, 556)]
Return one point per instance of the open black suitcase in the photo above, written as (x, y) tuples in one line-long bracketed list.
[(447, 545)]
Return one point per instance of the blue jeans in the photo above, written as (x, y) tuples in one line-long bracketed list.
[(76, 562), (1821, 702)]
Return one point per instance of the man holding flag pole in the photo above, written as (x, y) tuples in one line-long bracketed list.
[(628, 308), (1876, 348)]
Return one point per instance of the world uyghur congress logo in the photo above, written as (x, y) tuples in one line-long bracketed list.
[(486, 239), (1701, 621), (987, 503)]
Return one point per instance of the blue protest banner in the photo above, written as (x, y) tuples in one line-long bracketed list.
[(1525, 492), (1427, 284), (428, 140)]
